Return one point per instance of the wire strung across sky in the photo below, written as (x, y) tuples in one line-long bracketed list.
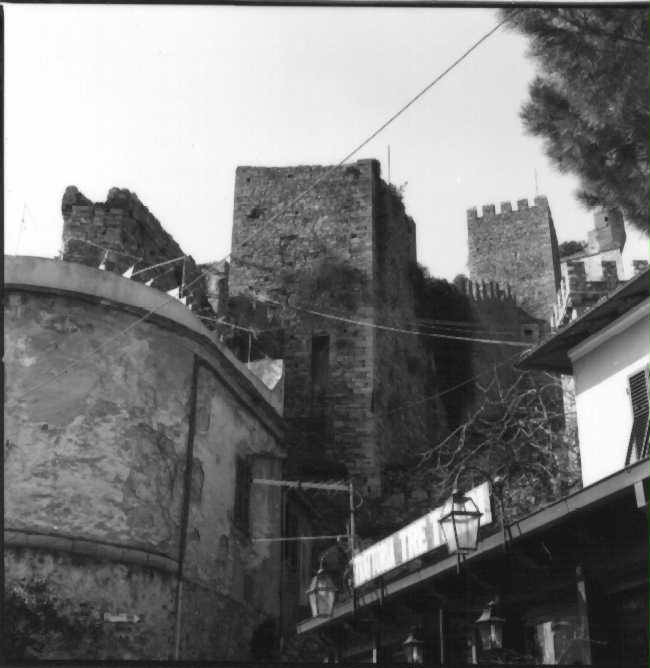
[(398, 330), (353, 152), (382, 127), (111, 339)]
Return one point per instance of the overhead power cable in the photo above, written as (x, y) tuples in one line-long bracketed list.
[(56, 343), (447, 390), (104, 248), (160, 264), (382, 127), (399, 330), (406, 106), (106, 342)]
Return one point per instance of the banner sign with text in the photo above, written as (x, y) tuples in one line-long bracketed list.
[(414, 540)]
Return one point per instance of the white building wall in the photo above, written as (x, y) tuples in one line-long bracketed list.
[(602, 365)]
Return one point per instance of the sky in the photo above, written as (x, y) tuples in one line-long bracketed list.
[(167, 101)]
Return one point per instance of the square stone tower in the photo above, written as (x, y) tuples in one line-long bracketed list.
[(517, 248), (346, 249)]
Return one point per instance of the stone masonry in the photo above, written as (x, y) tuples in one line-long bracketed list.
[(345, 248), (133, 237), (517, 248)]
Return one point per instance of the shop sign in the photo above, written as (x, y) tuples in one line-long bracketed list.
[(414, 540)]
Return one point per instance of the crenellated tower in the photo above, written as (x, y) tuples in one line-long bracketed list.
[(517, 248)]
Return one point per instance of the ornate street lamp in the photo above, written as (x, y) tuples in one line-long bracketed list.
[(321, 594), (414, 648), (459, 522), (490, 628)]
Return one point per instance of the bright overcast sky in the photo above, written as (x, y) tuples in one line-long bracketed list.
[(168, 100)]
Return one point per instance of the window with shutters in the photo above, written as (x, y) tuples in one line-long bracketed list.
[(242, 494), (638, 390)]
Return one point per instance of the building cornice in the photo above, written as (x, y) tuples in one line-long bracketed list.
[(610, 331), (69, 279)]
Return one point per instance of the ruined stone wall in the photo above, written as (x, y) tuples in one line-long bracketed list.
[(404, 372), (133, 236), (332, 227), (497, 315), (344, 248), (96, 447), (517, 248)]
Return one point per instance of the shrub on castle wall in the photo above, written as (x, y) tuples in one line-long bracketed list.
[(331, 283), (37, 624), (436, 299)]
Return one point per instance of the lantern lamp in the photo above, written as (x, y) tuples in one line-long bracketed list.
[(321, 594), (490, 628), (460, 521), (414, 648)]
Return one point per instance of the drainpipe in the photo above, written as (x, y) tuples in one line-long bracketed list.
[(185, 511)]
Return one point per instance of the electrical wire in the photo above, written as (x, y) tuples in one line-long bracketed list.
[(105, 343), (398, 330), (55, 345), (447, 390), (160, 264), (382, 127), (111, 250), (412, 101)]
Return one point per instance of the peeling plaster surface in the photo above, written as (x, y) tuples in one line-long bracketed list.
[(96, 439), (84, 590), (239, 577), (98, 452)]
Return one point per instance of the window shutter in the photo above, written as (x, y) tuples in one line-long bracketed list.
[(638, 388), (242, 494)]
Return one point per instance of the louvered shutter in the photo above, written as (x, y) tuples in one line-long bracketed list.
[(638, 388)]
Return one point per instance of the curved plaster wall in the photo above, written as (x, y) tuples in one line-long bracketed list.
[(121, 437)]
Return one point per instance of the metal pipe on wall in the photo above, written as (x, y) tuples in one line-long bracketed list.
[(185, 512)]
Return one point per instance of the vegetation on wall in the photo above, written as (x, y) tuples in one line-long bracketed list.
[(438, 302), (508, 423), (516, 434), (568, 248), (329, 283), (34, 624)]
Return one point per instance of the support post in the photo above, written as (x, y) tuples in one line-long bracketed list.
[(441, 635), (583, 615), (352, 524), (185, 511), (376, 646)]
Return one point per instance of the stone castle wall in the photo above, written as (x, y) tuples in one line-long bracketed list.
[(517, 248), (405, 372), (343, 248), (134, 238)]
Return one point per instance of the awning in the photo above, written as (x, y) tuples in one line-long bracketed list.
[(543, 519)]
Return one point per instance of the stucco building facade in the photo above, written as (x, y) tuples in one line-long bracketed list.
[(131, 439)]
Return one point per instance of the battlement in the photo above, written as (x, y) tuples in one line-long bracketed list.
[(516, 246), (489, 210), (483, 291)]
